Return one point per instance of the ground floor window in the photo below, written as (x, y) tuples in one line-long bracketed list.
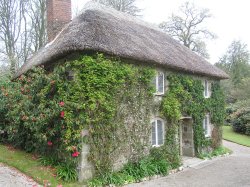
[(157, 132), (207, 125)]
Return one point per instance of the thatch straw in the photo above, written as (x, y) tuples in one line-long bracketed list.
[(103, 29)]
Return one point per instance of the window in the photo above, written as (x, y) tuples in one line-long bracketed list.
[(159, 83), (157, 132), (206, 89), (207, 126)]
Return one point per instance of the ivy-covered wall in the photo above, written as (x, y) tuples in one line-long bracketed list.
[(185, 97), (107, 105)]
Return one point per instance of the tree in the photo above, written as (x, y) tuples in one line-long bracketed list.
[(22, 30), (187, 27), (236, 63), (10, 29), (127, 6), (37, 15)]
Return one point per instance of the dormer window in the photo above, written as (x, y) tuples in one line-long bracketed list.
[(207, 90), (159, 83)]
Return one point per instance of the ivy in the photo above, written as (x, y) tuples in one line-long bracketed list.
[(106, 105), (185, 97)]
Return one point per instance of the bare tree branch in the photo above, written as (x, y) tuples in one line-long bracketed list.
[(127, 6), (187, 28)]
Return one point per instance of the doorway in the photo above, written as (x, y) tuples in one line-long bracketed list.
[(187, 137)]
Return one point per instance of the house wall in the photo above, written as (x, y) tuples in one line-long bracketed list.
[(125, 152)]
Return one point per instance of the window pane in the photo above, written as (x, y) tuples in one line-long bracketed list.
[(153, 134), (160, 82), (206, 88), (160, 132)]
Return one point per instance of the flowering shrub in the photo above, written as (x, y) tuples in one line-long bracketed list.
[(49, 114)]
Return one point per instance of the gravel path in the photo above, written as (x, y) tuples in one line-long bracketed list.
[(230, 171), (10, 177)]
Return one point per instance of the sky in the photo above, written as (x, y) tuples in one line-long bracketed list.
[(230, 19)]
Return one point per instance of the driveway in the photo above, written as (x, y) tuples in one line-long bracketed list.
[(10, 177), (230, 171)]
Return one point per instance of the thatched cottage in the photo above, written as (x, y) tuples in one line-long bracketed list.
[(104, 30)]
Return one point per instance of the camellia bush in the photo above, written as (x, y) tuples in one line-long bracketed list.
[(52, 113)]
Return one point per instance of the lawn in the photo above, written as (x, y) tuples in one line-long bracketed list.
[(28, 164), (230, 135)]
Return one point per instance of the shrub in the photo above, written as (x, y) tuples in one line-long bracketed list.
[(240, 120), (134, 172)]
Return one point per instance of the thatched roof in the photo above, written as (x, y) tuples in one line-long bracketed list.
[(103, 29)]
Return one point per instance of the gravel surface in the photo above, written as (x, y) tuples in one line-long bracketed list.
[(10, 177), (229, 171)]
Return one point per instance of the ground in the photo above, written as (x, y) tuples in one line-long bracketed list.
[(227, 171), (10, 177)]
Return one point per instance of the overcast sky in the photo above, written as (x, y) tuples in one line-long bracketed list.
[(230, 19)]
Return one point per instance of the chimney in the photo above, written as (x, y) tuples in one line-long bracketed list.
[(58, 15)]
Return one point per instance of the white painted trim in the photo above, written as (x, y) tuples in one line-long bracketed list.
[(156, 131), (207, 88), (208, 134), (157, 83)]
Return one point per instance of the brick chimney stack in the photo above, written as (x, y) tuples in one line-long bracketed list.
[(58, 15)]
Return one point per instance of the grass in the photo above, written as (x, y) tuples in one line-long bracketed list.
[(29, 165), (230, 135)]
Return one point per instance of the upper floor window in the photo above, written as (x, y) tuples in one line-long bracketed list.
[(157, 132), (159, 83), (207, 125), (207, 89)]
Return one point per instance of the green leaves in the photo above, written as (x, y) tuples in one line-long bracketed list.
[(185, 97)]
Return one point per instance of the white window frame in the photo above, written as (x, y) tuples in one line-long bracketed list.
[(206, 123), (156, 132), (157, 83), (207, 91)]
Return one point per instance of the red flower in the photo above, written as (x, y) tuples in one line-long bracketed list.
[(75, 154), (62, 114), (50, 143), (61, 103)]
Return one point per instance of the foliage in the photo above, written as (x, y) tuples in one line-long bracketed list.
[(230, 135), (216, 152), (236, 63), (187, 27), (66, 172), (185, 97), (105, 105), (240, 120), (134, 172)]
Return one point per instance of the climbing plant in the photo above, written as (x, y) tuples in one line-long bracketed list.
[(185, 97), (105, 105)]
